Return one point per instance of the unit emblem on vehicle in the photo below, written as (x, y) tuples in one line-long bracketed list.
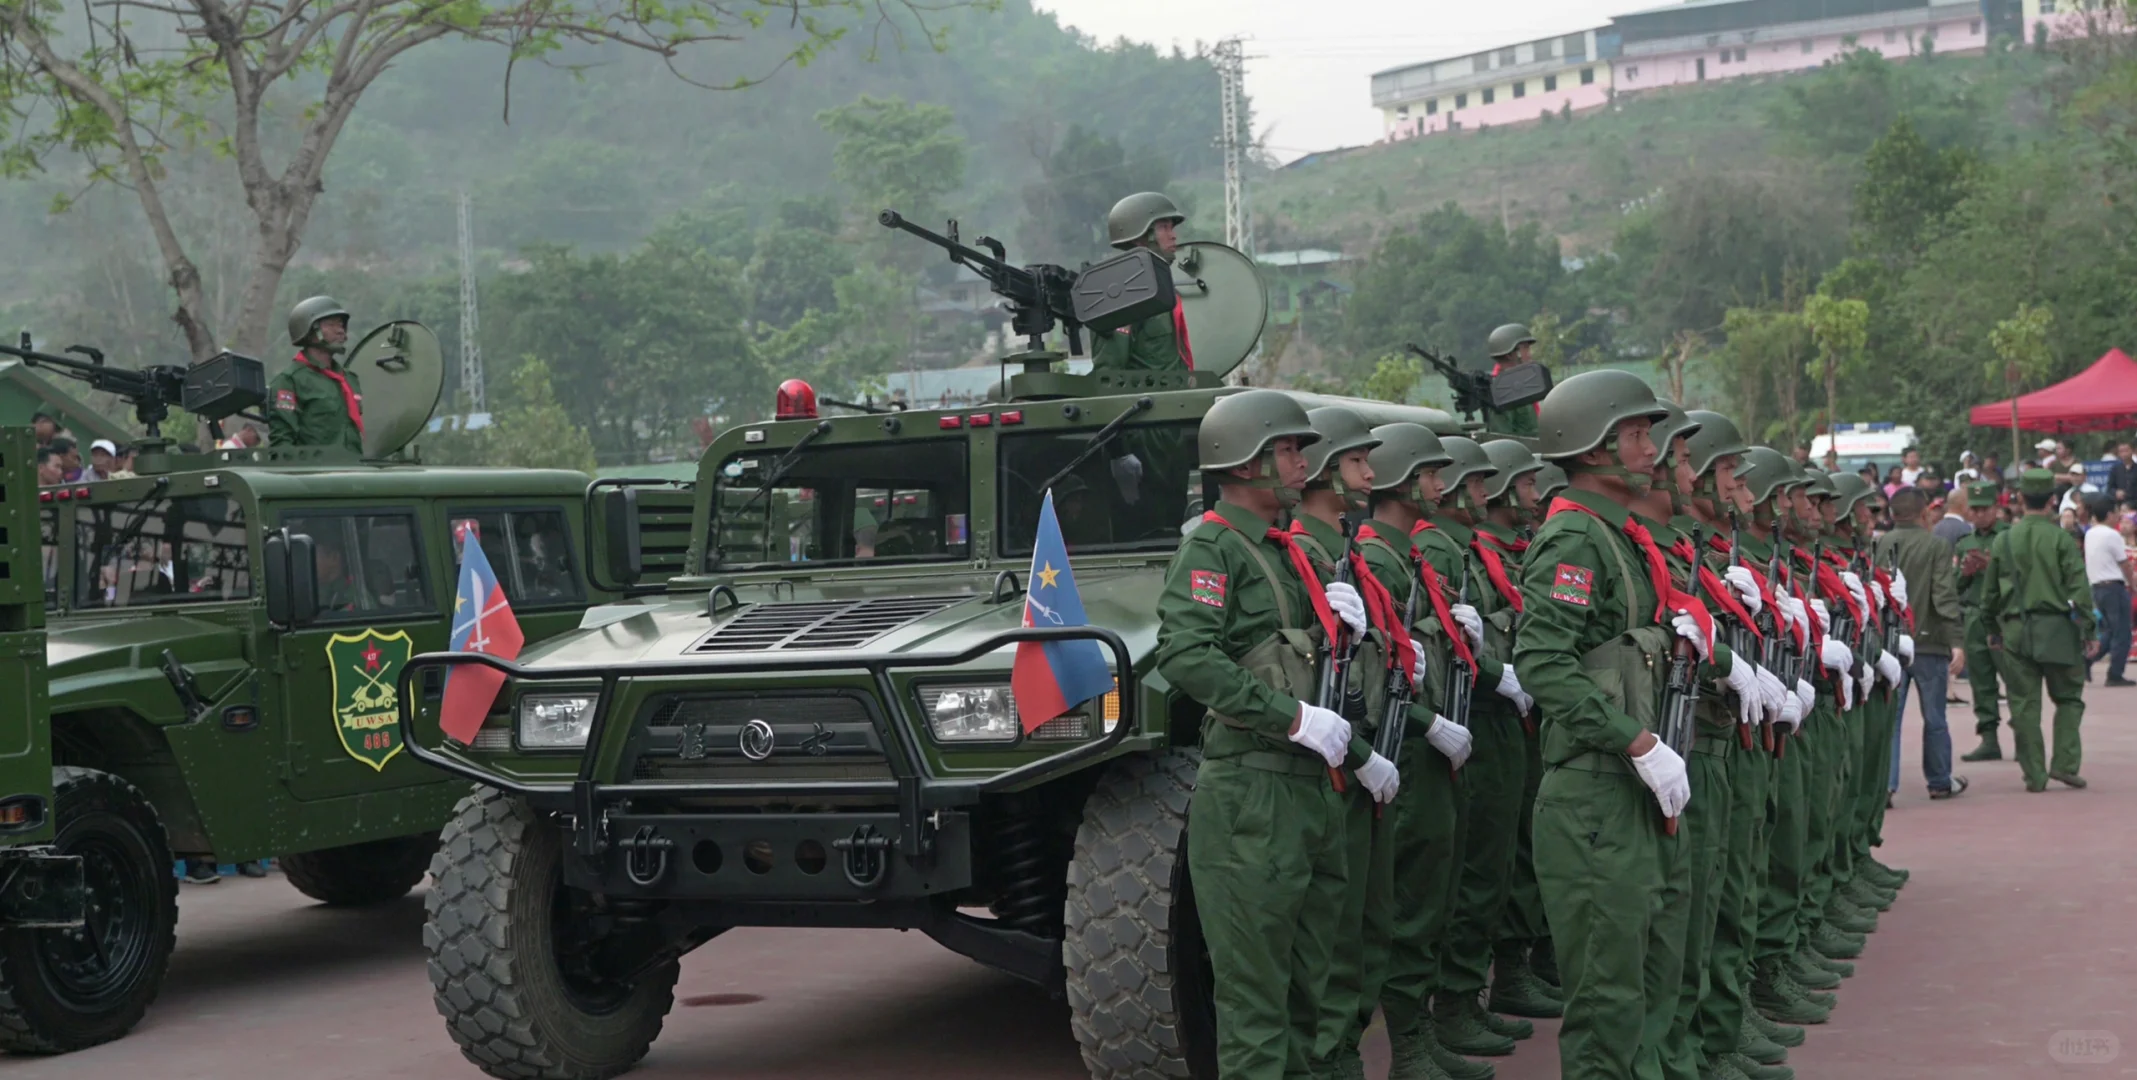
[(366, 668), (757, 740), (690, 744)]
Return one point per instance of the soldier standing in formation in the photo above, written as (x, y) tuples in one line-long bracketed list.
[(317, 402), (1738, 876), (1973, 549), (2039, 610), (1159, 343)]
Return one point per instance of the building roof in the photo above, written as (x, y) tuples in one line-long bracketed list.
[(1720, 16), (1303, 257)]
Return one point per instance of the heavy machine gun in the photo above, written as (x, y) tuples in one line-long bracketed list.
[(1479, 391), (1120, 291), (224, 385)]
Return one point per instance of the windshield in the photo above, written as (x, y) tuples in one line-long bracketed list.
[(876, 502), (1134, 494), (190, 549)]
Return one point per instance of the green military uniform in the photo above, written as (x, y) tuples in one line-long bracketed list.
[(307, 405), (1589, 646), (1524, 935), (1504, 347), (2039, 608), (1156, 343), (1237, 635), (1980, 663)]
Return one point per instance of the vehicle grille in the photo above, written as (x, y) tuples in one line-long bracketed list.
[(819, 624), (813, 737)]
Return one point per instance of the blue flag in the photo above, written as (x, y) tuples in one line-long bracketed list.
[(1052, 677)]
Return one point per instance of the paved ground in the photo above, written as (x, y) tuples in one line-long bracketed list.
[(2012, 954)]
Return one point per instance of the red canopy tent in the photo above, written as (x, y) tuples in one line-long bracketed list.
[(2102, 397)]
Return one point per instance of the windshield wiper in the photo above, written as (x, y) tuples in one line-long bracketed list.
[(778, 470), (1105, 433)]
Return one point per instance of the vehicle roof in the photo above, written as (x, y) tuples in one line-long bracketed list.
[(367, 481)]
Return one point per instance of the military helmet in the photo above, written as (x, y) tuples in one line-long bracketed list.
[(1342, 431), (1469, 460), (1716, 438), (1507, 339), (1509, 459), (1677, 424), (1818, 483), (1848, 489), (1404, 448), (1579, 414), (307, 315), (1550, 480), (1240, 426), (1766, 471), (1131, 218)]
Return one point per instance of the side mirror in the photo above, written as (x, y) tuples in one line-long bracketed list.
[(623, 549), (292, 579)]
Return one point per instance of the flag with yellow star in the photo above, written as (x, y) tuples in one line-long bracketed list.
[(1052, 677)]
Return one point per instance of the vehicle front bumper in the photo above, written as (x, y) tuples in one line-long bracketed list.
[(39, 888)]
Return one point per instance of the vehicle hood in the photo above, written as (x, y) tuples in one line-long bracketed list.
[(934, 614), (98, 662)]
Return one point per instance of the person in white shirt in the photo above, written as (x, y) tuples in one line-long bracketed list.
[(1968, 471), (1910, 467), (2107, 567), (2080, 489)]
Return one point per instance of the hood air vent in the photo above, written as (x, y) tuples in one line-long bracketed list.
[(819, 624)]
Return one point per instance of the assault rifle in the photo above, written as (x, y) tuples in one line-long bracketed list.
[(221, 386), (1742, 641), (1395, 715), (1332, 688), (1461, 682), (1680, 694), (1120, 291), (1783, 659)]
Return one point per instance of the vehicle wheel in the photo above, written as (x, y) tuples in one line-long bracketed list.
[(62, 990), (1139, 985), (510, 966), (359, 875)]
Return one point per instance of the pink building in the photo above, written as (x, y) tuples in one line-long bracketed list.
[(2057, 19), (1499, 86)]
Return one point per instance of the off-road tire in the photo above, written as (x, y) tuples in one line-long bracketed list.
[(360, 875), (1138, 975), (493, 966), (111, 824)]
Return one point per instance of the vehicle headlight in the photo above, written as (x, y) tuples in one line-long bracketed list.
[(555, 721), (970, 713)]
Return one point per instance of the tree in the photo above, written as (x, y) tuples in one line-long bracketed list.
[(1446, 282), (1839, 328), (534, 431), (1677, 357), (1763, 344), (1394, 377), (1065, 210), (271, 86), (1908, 190), (897, 155), (2023, 357)]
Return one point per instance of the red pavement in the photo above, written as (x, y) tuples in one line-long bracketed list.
[(2012, 954)]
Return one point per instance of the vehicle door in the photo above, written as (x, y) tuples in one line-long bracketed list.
[(25, 733), (379, 604)]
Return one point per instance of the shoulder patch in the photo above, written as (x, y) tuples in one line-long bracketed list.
[(1206, 587), (286, 400), (1572, 584)]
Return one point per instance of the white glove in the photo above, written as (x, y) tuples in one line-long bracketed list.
[(1687, 628), (1888, 668), (1899, 586), (1743, 678), (1906, 648), (1808, 695), (1877, 593), (1825, 617), (1379, 777), (1777, 695), (1854, 584), (1472, 624), (1324, 732), (1746, 586), (1449, 738), (1663, 773), (1348, 605), (1792, 711), (1128, 476), (1510, 689), (1417, 666), (1794, 610), (1847, 693), (1869, 675), (1837, 655)]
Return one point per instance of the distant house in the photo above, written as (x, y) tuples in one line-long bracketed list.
[(1309, 279)]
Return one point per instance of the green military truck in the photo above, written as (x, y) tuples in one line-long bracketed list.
[(223, 633), (809, 731)]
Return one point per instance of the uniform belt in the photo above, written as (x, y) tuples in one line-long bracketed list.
[(1287, 764), (1598, 761), (1711, 745)]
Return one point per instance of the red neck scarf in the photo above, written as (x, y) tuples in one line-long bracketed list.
[(1495, 569), (1715, 589), (1514, 547), (1179, 330), (349, 400), (1300, 563), (1668, 597), (1436, 590), (1380, 607)]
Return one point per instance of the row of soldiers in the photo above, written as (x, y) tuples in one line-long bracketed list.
[(1653, 672)]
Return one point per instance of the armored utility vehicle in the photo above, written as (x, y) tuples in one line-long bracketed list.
[(814, 726), (223, 635)]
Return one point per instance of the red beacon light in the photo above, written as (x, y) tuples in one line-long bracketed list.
[(796, 401)]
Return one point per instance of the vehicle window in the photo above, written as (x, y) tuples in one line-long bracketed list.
[(369, 564), (190, 549), (880, 503), (1135, 493), (529, 551)]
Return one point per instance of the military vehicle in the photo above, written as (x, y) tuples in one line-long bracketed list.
[(223, 632), (815, 727)]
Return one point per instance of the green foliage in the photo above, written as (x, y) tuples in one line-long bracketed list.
[(1763, 350), (1065, 210), (1721, 240), (1394, 378), (534, 431), (1846, 107), (1908, 190), (1446, 281), (892, 153), (2023, 355)]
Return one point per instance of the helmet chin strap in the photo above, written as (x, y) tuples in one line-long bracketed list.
[(1429, 506), (1270, 478), (1354, 500), (1639, 482)]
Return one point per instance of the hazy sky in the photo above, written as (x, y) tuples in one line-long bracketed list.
[(1309, 62)]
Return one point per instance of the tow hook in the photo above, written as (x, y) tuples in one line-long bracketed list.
[(645, 859), (865, 863)]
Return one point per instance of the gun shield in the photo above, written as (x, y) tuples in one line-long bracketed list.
[(1123, 290)]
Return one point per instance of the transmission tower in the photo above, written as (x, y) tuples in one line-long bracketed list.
[(470, 318), (1231, 75)]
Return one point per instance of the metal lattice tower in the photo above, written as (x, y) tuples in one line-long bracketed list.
[(470, 318), (1231, 75)]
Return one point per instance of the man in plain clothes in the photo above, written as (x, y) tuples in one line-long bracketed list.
[(1950, 523), (2107, 567), (2122, 476), (1939, 634)]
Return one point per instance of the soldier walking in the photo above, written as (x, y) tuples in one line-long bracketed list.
[(2039, 610), (317, 402)]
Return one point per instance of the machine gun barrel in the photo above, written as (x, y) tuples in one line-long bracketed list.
[(1472, 389)]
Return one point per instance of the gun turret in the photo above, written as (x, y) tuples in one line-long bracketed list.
[(1478, 391), (221, 386), (1120, 291)]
